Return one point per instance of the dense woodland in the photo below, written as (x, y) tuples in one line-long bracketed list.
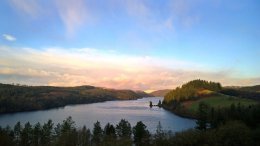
[(234, 126), (16, 98)]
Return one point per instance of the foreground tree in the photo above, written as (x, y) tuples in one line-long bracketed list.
[(141, 134), (37, 134), (26, 135), (68, 134), (123, 129), (47, 133), (84, 136), (97, 136)]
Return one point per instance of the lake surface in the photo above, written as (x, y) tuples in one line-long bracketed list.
[(110, 111)]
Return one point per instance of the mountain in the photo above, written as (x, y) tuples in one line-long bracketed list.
[(16, 98), (160, 93)]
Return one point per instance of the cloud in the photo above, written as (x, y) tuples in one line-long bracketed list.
[(9, 37), (29, 7), (88, 66), (73, 13)]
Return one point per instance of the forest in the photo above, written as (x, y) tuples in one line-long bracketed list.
[(17, 98), (233, 126)]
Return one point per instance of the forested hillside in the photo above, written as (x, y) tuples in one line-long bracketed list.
[(185, 100), (15, 98), (192, 90)]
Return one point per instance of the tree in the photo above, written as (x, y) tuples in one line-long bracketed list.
[(233, 133), (6, 136), (202, 116), (110, 134), (97, 136), (141, 134), (26, 135), (151, 104), (68, 134), (37, 134), (160, 103), (110, 130), (123, 129), (47, 133), (84, 137), (17, 133), (160, 135)]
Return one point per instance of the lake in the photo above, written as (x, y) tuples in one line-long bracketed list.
[(110, 111)]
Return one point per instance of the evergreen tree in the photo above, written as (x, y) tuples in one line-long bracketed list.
[(47, 133), (84, 137), (109, 130), (37, 134), (141, 134), (26, 135), (68, 134), (202, 116), (97, 136), (17, 133), (123, 129)]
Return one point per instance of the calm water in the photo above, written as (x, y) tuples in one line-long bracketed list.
[(110, 111)]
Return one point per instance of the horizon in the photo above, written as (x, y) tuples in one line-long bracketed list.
[(134, 44)]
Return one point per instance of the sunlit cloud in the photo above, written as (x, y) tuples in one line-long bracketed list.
[(9, 37), (88, 66)]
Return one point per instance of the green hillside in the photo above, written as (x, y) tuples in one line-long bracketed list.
[(219, 101), (185, 100)]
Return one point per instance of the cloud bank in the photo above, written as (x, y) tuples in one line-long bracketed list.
[(88, 66)]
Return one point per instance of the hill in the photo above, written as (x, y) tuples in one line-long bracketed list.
[(185, 100), (255, 88), (191, 90), (16, 98), (251, 92), (143, 94), (160, 93)]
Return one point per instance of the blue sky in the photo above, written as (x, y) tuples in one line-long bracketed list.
[(110, 42)]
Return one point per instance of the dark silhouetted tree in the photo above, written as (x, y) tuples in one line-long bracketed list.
[(37, 134), (123, 129), (141, 134), (26, 135), (97, 134)]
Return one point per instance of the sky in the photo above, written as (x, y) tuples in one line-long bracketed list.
[(129, 44)]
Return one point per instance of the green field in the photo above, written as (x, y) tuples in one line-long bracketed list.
[(220, 101)]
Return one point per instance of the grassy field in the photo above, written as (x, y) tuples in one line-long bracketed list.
[(219, 100)]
